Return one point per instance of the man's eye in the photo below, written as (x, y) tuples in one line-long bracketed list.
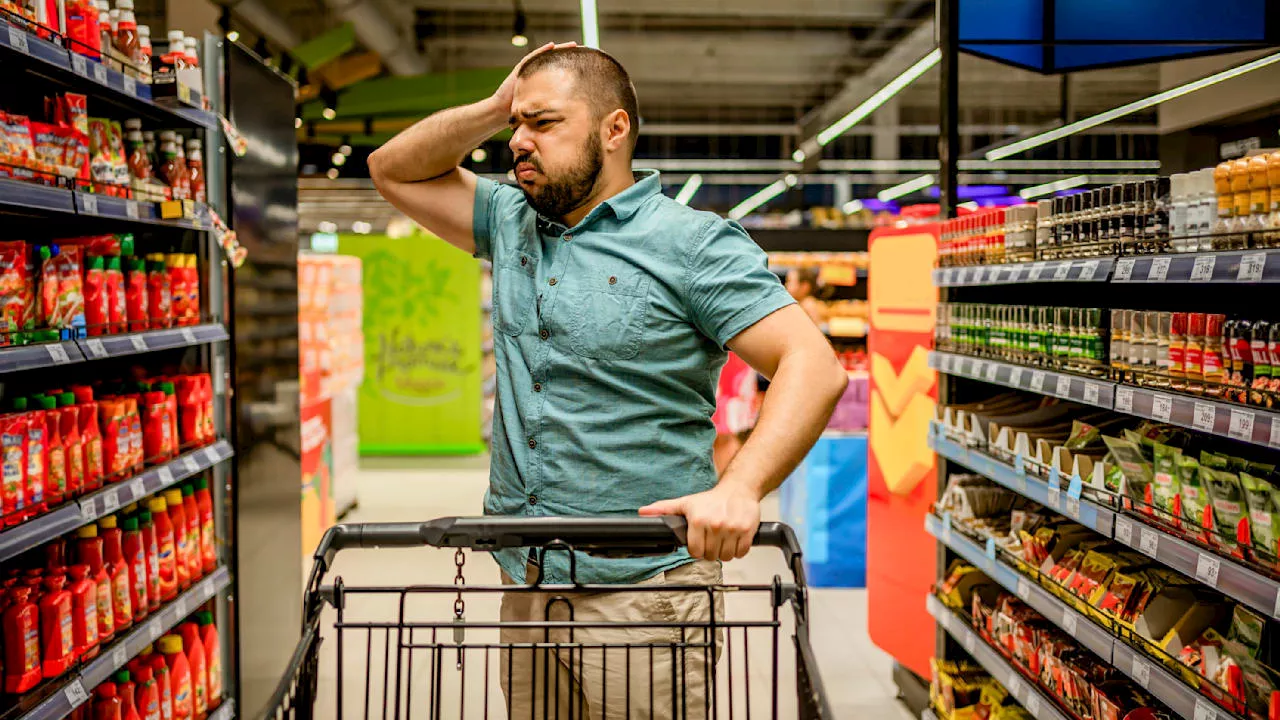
[(545, 123)]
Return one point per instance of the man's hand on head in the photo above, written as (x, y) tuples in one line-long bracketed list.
[(722, 521)]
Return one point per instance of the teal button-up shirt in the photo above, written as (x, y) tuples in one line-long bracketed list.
[(609, 339)]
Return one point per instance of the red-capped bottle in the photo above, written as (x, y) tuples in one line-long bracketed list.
[(106, 702), (164, 682), (191, 645), (22, 669), (148, 693)]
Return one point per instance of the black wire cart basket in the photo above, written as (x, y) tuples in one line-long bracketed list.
[(393, 657)]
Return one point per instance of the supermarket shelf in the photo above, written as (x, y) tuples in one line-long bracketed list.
[(1229, 578), (1233, 266), (139, 211), (1240, 422), (1045, 382), (53, 60), (1066, 500), (1090, 270), (74, 692), (1089, 634), (1037, 704), (1184, 701), (28, 357), (106, 346), (23, 196), (72, 515)]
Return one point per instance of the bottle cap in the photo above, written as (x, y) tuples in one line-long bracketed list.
[(204, 617), (106, 690), (88, 531), (129, 524), (157, 505), (173, 497), (66, 399), (122, 676), (171, 644), (18, 403), (202, 483), (47, 403), (113, 264), (97, 262), (144, 517), (187, 491), (108, 523)]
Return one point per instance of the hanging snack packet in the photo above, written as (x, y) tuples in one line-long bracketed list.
[(1194, 496), (14, 289), (20, 151), (1264, 515), (1166, 486), (72, 110), (101, 170), (1133, 465), (1229, 505), (13, 462)]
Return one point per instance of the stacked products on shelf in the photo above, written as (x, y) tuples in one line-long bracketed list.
[(1234, 205), (963, 690), (330, 321), (94, 285)]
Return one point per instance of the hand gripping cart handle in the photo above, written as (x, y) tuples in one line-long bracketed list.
[(295, 694)]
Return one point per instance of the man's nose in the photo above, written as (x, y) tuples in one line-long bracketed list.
[(521, 143)]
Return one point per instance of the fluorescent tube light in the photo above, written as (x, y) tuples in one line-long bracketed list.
[(798, 156), (905, 188), (970, 206), (851, 207), (690, 187), (790, 180), (1115, 113), (590, 29), (879, 97), (1036, 191), (770, 192)]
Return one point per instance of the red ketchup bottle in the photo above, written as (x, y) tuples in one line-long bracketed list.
[(91, 438), (181, 546), (118, 570), (72, 443), (168, 546), (84, 612), (97, 315), (89, 549), (55, 454), (164, 682), (137, 300), (13, 465), (37, 457), (117, 305), (208, 541), (151, 545), (156, 443), (21, 642), (135, 556), (191, 511), (171, 412), (212, 656), (160, 292), (128, 692), (179, 677), (56, 635), (148, 693), (106, 702), (194, 649)]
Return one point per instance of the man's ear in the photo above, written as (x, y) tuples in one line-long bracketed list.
[(617, 130)]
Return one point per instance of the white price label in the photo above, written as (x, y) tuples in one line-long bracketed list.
[(1124, 531), (1124, 399), (139, 342), (100, 73), (58, 354), (1251, 265), (1069, 620), (79, 65), (963, 276), (192, 466), (1033, 273), (110, 503), (1037, 380), (119, 656), (189, 336), (993, 275), (970, 642), (96, 348), (1124, 269), (211, 454), (154, 631), (992, 370), (1055, 498), (1091, 392), (1063, 389), (1072, 510), (1241, 427), (1273, 438), (1024, 589), (976, 368), (1141, 671), (1205, 710), (181, 606), (1275, 609), (130, 86), (1161, 407), (1033, 705), (1149, 542), (946, 528), (75, 691), (1202, 270), (1207, 567), (1088, 270), (88, 204), (18, 40), (131, 209), (88, 509), (1159, 269), (1014, 685), (166, 475), (1015, 377), (1062, 271), (1204, 417), (137, 488)]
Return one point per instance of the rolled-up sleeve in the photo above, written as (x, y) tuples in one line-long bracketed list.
[(728, 284), (493, 202)]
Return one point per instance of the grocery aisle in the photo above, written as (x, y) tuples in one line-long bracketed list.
[(856, 672)]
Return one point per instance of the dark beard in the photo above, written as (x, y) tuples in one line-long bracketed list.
[(562, 195)]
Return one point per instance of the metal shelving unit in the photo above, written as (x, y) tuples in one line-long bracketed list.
[(1220, 267), (1036, 380)]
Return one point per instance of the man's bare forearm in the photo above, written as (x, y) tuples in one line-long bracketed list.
[(437, 144), (801, 397)]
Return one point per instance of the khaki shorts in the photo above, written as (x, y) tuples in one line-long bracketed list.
[(605, 675)]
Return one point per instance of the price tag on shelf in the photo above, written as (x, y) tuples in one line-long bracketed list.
[(1033, 272), (1159, 268), (1273, 438), (137, 488), (1069, 620), (1015, 376), (1033, 704), (1149, 542), (1063, 390), (1275, 609), (1140, 671), (1024, 589), (1037, 380), (1161, 407), (139, 342), (211, 454), (110, 503), (180, 605), (88, 204), (119, 656), (970, 641), (1054, 498), (991, 548), (189, 336), (166, 475), (190, 463), (962, 277), (79, 65), (100, 73), (58, 354), (976, 368), (75, 691), (1088, 270), (1091, 393), (1251, 265), (1072, 509), (1124, 269), (1241, 427), (1205, 710), (96, 348), (992, 370), (1202, 270), (131, 209), (88, 509), (1207, 567), (1124, 399), (946, 528), (1062, 271), (18, 40), (1204, 416), (154, 631), (1014, 685), (993, 274), (1124, 531), (130, 86)]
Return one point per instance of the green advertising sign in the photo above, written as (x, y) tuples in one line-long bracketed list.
[(421, 391)]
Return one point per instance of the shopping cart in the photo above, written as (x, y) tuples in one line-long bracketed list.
[(451, 668)]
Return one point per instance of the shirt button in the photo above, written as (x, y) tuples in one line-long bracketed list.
[(552, 281), (533, 499), (613, 280), (524, 260), (537, 387), (544, 334), (532, 443)]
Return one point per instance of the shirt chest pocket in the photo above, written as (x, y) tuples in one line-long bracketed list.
[(607, 314), (514, 278)]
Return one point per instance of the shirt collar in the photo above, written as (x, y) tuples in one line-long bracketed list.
[(625, 204)]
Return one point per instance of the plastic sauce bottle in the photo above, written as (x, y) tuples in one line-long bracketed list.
[(151, 546), (135, 431), (160, 293), (171, 413), (118, 569), (127, 691), (13, 452), (56, 455), (37, 457), (164, 682), (90, 551), (195, 169), (155, 431), (191, 51), (194, 649), (96, 304), (145, 50), (1213, 368), (193, 285), (208, 541), (137, 301), (212, 656), (167, 545), (147, 697), (191, 512), (69, 416), (106, 702), (84, 612), (135, 557), (91, 438), (177, 287), (56, 636), (179, 677), (21, 642), (182, 548), (127, 33)]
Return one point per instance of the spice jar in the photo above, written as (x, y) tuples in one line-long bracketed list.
[(1213, 368), (1194, 357)]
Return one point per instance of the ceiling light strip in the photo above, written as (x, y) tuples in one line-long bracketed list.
[(1036, 191), (905, 188), (690, 187), (770, 192), (1116, 113), (590, 27)]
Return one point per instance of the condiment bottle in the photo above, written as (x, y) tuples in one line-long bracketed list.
[(212, 656), (177, 51), (1214, 374), (1239, 372), (1240, 195), (139, 162), (106, 32), (91, 438), (195, 563), (1194, 357), (195, 169), (164, 680), (208, 541), (182, 548), (151, 546), (179, 677), (191, 51), (1226, 205), (160, 292), (148, 693), (135, 556), (22, 669), (145, 51), (1259, 194), (69, 417), (155, 430), (127, 690), (127, 35), (118, 569), (89, 548), (106, 703), (194, 650), (168, 548), (137, 301), (84, 612), (55, 454), (1272, 237)]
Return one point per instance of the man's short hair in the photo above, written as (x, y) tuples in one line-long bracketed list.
[(602, 80)]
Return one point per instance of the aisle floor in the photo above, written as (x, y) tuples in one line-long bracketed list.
[(855, 672)]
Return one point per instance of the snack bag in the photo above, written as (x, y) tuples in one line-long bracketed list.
[(1264, 514), (1133, 465), (1166, 486), (20, 148), (15, 289), (1194, 496), (119, 160), (62, 287), (101, 169), (1228, 505)]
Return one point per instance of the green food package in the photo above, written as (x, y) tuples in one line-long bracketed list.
[(1112, 476), (1165, 480), (1135, 467), (1229, 504), (1213, 460), (1246, 628), (1082, 435), (1264, 513), (1259, 680), (1194, 496)]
